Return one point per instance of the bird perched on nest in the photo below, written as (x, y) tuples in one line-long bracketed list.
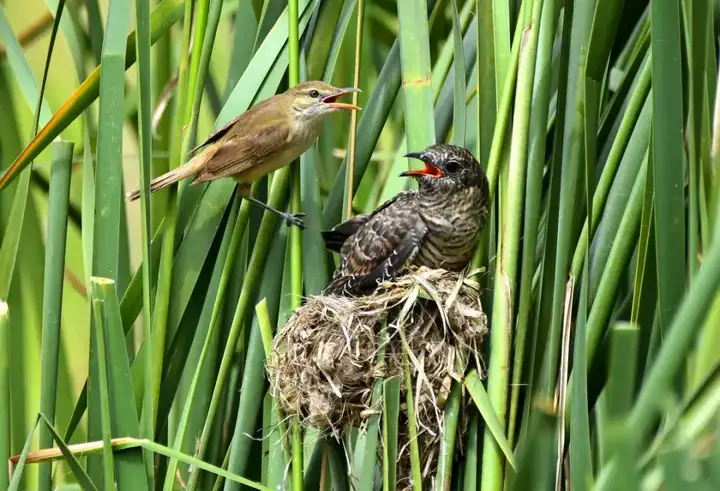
[(435, 226), (268, 136)]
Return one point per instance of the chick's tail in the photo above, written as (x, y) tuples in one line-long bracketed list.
[(175, 175)]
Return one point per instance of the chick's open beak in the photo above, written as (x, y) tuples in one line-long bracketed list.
[(429, 170), (330, 100)]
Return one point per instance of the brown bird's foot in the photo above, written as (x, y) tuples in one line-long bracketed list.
[(291, 218), (295, 219)]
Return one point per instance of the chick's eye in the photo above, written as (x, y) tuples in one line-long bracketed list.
[(314, 93), (452, 166)]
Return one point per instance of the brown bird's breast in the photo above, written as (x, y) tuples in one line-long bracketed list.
[(453, 222)]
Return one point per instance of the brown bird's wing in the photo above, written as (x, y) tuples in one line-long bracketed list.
[(238, 123), (239, 153), (335, 238), (380, 249), (216, 135)]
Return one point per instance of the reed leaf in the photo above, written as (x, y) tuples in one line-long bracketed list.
[(53, 291), (164, 16), (4, 391)]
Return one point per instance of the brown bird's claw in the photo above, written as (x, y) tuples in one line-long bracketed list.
[(295, 219)]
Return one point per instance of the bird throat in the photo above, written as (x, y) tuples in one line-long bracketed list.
[(305, 130)]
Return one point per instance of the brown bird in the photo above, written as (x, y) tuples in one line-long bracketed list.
[(268, 136), (435, 226)]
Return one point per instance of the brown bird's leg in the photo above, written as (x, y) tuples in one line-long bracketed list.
[(244, 189)]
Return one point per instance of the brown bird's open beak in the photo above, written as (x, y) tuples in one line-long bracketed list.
[(330, 100), (429, 170)]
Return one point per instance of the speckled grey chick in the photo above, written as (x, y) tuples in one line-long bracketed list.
[(435, 226)]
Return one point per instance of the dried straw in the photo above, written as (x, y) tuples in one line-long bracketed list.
[(324, 360)]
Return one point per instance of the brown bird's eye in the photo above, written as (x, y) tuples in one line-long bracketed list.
[(452, 166), (314, 93)]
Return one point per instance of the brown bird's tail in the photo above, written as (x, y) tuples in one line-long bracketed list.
[(160, 182)]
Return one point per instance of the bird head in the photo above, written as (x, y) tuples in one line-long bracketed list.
[(447, 167), (314, 100)]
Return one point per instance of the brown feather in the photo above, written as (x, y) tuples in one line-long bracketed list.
[(231, 156), (240, 124), (173, 176), (381, 247)]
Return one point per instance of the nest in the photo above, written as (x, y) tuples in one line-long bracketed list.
[(327, 357)]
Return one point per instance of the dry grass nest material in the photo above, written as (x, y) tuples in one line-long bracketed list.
[(327, 357)]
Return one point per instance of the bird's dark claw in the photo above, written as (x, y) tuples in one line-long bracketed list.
[(295, 219)]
